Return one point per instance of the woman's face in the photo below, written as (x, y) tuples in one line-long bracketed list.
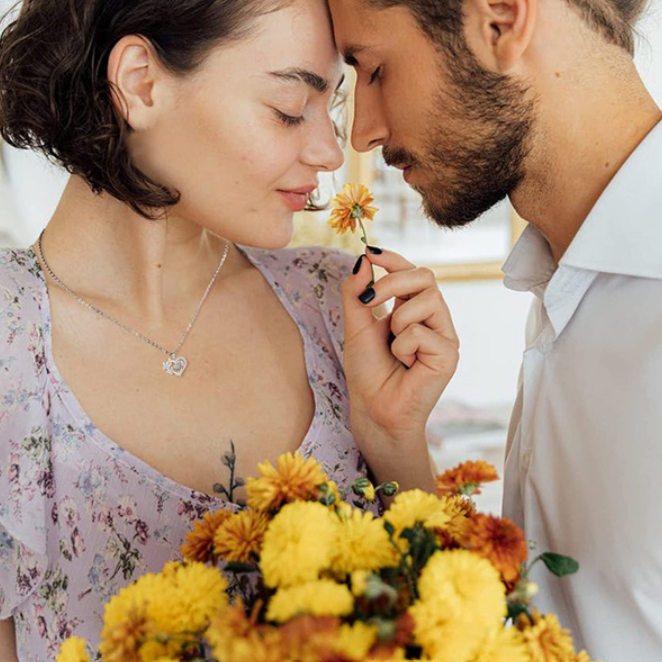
[(244, 137)]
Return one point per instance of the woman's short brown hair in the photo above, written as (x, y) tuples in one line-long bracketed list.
[(55, 95)]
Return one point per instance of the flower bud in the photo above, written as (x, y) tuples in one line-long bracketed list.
[(363, 487), (389, 489)]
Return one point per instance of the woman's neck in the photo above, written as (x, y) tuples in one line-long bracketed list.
[(103, 250)]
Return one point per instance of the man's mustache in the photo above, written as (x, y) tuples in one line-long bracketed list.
[(396, 156)]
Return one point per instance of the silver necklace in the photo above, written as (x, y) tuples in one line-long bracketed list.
[(175, 365)]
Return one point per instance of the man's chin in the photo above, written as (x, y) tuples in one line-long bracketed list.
[(444, 216)]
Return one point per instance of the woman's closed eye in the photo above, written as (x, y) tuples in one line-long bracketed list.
[(289, 120)]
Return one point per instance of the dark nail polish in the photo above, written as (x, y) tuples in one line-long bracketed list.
[(367, 296), (357, 265), (374, 250), (391, 338)]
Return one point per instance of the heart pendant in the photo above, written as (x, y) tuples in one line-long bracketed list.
[(175, 366)]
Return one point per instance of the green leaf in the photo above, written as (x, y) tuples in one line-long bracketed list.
[(390, 529), (558, 564)]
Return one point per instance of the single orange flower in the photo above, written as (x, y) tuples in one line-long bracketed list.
[(296, 478), (351, 207), (466, 478), (199, 545), (500, 541), (239, 538)]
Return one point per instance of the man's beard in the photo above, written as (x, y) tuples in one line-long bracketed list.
[(476, 145)]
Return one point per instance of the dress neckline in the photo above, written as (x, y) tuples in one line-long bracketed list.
[(128, 459)]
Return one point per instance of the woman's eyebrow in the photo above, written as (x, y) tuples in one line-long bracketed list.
[(296, 75)]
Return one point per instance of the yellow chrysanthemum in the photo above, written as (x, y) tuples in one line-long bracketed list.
[(193, 593), (417, 506), (298, 544), (73, 650), (139, 623), (462, 601), (545, 639), (239, 537), (296, 478), (350, 206), (323, 597), (125, 624), (354, 641), (199, 545), (363, 544), (505, 645)]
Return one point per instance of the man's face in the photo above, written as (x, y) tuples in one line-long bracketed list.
[(459, 132)]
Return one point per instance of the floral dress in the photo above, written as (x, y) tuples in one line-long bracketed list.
[(79, 516)]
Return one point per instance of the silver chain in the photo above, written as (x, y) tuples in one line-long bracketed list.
[(175, 366)]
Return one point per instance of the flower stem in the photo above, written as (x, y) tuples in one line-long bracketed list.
[(364, 239)]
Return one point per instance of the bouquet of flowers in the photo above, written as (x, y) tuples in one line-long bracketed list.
[(315, 578)]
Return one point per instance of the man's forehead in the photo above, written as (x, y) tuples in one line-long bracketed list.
[(360, 26), (357, 27)]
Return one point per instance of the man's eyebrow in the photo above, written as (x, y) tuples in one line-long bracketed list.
[(315, 81)]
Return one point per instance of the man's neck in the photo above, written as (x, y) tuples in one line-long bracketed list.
[(589, 125)]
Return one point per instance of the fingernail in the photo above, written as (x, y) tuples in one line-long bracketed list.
[(374, 250), (367, 296), (357, 265), (391, 338)]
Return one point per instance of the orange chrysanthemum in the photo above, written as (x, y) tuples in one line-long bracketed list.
[(545, 639), (239, 538), (466, 478), (498, 540), (350, 207), (199, 545), (295, 479)]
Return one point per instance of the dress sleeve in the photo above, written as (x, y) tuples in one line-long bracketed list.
[(26, 476)]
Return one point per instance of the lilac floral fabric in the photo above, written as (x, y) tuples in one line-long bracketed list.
[(79, 516)]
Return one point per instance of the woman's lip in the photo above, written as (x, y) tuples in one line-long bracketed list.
[(295, 200)]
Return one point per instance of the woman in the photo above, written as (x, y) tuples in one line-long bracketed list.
[(156, 342)]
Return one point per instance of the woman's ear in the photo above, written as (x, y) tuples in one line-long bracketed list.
[(133, 73), (500, 31)]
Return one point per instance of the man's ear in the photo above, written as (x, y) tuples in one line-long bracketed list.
[(133, 72), (500, 31)]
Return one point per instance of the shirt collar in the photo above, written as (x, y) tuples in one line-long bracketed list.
[(621, 235)]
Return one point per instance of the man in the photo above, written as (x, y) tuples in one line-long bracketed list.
[(539, 100)]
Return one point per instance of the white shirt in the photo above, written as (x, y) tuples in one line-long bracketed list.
[(583, 470)]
